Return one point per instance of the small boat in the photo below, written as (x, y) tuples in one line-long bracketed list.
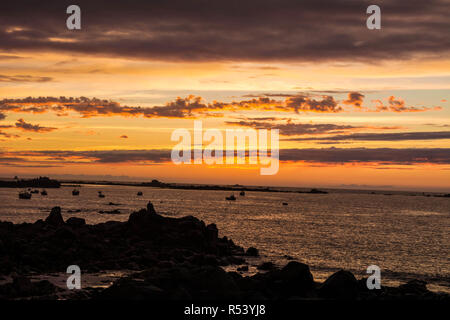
[(75, 192), (34, 191), (100, 194), (43, 193), (242, 193), (140, 193), (24, 195), (231, 198)]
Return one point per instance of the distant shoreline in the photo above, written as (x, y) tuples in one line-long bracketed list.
[(36, 183), (238, 188)]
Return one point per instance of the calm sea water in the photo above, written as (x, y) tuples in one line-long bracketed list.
[(406, 236)]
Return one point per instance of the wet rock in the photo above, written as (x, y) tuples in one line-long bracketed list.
[(252, 252), (340, 285), (213, 283), (55, 218)]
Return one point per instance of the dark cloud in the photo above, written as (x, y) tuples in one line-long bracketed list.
[(107, 156), (355, 99), (21, 124), (303, 103), (251, 30), (396, 136), (290, 128), (23, 78), (251, 95), (381, 156)]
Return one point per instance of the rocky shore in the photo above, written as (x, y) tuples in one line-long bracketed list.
[(169, 259)]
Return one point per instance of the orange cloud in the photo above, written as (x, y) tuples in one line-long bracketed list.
[(398, 105), (193, 106), (21, 124)]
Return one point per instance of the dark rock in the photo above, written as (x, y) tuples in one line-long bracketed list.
[(296, 277), (150, 208), (253, 252), (22, 287), (55, 218), (414, 287), (213, 283), (340, 285), (75, 222), (266, 266), (129, 289)]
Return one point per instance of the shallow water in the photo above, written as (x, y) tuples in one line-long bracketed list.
[(406, 236)]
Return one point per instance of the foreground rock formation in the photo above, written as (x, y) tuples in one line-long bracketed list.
[(173, 259)]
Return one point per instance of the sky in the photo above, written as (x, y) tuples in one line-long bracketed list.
[(355, 108)]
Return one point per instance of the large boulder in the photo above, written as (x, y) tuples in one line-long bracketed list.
[(340, 285), (55, 218), (293, 280), (252, 252)]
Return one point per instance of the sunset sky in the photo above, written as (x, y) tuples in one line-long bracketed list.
[(356, 108)]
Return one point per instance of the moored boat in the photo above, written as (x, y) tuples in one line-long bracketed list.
[(24, 195)]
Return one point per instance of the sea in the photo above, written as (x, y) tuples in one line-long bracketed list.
[(405, 235)]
